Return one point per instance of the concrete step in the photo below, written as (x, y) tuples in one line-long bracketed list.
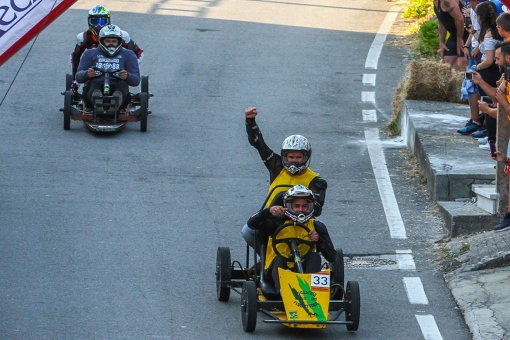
[(462, 218), (450, 162), (486, 197)]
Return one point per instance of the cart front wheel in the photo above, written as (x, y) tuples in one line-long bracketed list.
[(353, 310), (249, 301)]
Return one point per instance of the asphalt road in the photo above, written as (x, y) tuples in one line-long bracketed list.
[(115, 236)]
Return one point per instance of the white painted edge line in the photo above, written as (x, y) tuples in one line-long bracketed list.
[(415, 292), (382, 177), (368, 97), (369, 115), (369, 79), (405, 260), (428, 327), (380, 38)]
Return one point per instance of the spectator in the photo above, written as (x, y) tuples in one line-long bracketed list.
[(487, 68), (469, 90), (450, 20)]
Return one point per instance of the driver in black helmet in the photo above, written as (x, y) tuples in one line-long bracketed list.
[(109, 56), (289, 167), (298, 207)]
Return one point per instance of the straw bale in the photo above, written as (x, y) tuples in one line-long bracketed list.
[(428, 80)]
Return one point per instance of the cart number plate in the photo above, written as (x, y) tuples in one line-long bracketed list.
[(320, 281)]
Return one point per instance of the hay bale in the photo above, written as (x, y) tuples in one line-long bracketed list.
[(428, 80)]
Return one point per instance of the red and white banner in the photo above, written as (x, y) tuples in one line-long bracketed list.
[(22, 20)]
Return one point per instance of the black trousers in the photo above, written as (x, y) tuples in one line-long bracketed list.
[(311, 264), (91, 86)]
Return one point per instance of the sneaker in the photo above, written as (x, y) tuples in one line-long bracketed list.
[(485, 146), (479, 134), (469, 128), (504, 225), (483, 140), (96, 95), (118, 97)]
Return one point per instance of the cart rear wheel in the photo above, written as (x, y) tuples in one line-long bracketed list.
[(145, 84), (223, 273), (67, 110), (144, 110), (249, 301), (69, 81), (353, 310), (338, 276)]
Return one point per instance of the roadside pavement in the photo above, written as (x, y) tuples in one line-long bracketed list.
[(475, 261)]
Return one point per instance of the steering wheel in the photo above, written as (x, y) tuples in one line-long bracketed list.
[(110, 73), (292, 242)]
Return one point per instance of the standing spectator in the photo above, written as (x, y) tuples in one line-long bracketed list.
[(450, 20), (487, 68), (469, 90), (503, 25)]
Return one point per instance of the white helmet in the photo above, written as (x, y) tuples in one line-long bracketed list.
[(299, 192), (110, 31), (296, 143)]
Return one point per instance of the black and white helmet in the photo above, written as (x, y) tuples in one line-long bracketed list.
[(296, 143), (299, 192), (110, 31)]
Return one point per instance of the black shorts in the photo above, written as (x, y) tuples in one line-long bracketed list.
[(451, 44)]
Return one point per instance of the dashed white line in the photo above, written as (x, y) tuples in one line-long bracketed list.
[(369, 115), (382, 177), (369, 79), (415, 291), (405, 260), (368, 97), (429, 327)]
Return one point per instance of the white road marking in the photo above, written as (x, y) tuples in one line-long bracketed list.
[(369, 115), (368, 97), (377, 45), (405, 260), (369, 79), (415, 291), (429, 327), (382, 177)]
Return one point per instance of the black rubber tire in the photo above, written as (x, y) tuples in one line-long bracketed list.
[(67, 109), (338, 275), (352, 297), (249, 300), (69, 81), (144, 111), (223, 273), (144, 87)]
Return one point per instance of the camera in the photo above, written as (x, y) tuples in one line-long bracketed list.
[(467, 21), (469, 75), (486, 99)]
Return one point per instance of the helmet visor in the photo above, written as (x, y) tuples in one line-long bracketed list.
[(98, 21)]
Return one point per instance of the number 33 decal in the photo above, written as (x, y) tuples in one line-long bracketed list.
[(320, 280)]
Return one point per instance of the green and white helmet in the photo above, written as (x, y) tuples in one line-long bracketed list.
[(296, 143), (98, 18)]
